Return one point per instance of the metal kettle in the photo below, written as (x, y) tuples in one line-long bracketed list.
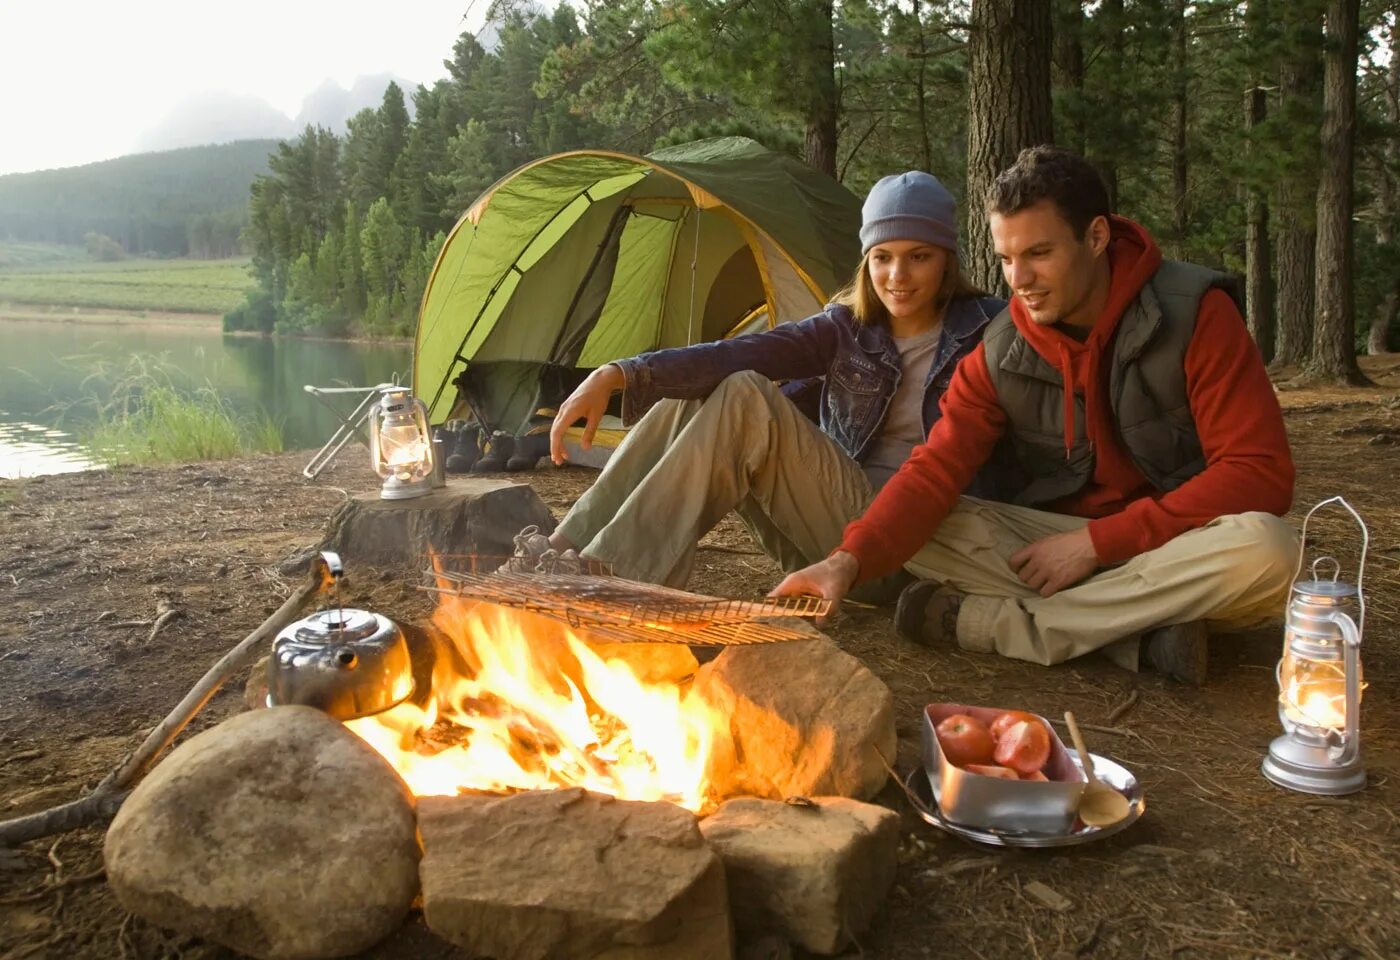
[(350, 663)]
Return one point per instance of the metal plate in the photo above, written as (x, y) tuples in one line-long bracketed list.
[(1119, 777)]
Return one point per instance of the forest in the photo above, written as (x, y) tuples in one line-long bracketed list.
[(1259, 137), (191, 202)]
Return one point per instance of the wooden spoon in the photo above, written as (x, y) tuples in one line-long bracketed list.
[(1101, 805)]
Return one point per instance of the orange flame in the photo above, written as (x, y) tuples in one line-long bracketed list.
[(520, 703)]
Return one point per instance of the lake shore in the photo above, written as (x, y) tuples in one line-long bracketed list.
[(104, 316), (154, 320)]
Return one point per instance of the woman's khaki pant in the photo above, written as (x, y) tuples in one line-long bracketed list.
[(687, 463), (747, 448)]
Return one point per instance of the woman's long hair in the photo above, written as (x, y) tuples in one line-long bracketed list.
[(860, 298)]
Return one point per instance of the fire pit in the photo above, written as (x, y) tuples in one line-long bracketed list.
[(578, 688), (521, 701)]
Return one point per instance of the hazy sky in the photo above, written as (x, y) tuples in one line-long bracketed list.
[(80, 80)]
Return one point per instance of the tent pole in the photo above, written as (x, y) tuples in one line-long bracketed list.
[(694, 263), (611, 235)]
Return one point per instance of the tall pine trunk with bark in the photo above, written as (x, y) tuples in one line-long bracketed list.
[(1259, 305), (1378, 341), (1180, 210), (819, 144), (1008, 107), (1334, 339), (1295, 248)]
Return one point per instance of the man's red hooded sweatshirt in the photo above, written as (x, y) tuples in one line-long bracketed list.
[(1248, 466)]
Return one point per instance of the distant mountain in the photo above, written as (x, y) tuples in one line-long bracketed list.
[(216, 118), (330, 105), (175, 202), (225, 117)]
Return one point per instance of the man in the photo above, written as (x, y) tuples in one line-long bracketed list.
[(1153, 444)]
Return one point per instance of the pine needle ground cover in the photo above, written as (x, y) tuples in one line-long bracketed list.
[(194, 286)]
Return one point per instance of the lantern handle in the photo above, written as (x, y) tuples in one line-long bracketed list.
[(1346, 751), (1361, 566)]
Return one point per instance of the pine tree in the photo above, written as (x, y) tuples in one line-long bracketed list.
[(1334, 342), (1008, 109)]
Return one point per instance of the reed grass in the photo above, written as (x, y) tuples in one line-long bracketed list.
[(146, 419)]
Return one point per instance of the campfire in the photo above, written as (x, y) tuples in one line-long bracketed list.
[(520, 702)]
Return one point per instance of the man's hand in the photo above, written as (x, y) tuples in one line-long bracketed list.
[(588, 402), (1055, 562), (830, 579)]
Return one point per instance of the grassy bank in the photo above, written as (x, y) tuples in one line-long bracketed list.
[(194, 286), (164, 426), (142, 418)]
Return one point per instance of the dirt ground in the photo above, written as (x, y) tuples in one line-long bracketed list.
[(1222, 864)]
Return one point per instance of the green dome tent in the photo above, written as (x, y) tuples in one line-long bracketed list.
[(584, 257)]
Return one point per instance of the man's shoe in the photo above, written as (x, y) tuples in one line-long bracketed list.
[(927, 613), (1177, 651)]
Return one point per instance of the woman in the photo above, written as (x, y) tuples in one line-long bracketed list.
[(718, 434)]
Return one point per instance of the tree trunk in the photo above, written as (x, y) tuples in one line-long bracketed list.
[(819, 147), (925, 142), (1379, 339), (1180, 213), (1111, 13), (1069, 73), (1334, 336), (1299, 77), (1008, 107), (1259, 307)]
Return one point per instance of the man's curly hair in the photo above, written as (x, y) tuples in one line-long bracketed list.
[(1049, 173)]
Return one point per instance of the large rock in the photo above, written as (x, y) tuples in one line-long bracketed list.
[(469, 515), (814, 874), (804, 719), (278, 833), (570, 875)]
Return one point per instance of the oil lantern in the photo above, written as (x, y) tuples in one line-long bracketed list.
[(1319, 677), (401, 444)]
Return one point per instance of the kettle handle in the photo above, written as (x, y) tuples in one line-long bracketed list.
[(1361, 565)]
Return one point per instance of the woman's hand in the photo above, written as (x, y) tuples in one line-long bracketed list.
[(830, 579), (588, 402)]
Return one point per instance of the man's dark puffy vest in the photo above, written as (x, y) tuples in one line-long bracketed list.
[(1146, 390)]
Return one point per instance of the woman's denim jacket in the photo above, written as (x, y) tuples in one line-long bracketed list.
[(855, 367)]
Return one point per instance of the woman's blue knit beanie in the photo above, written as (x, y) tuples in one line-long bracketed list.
[(909, 206)]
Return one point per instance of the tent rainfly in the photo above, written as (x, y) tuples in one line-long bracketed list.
[(581, 258)]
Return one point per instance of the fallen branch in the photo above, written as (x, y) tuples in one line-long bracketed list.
[(1111, 731), (106, 798), (721, 548), (1121, 711), (165, 612)]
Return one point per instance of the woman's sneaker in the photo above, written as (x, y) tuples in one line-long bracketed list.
[(530, 548)]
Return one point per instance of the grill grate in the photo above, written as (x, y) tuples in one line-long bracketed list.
[(626, 611)]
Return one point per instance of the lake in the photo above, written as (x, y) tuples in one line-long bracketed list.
[(47, 391)]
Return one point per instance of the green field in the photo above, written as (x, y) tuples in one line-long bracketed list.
[(18, 254), (36, 274)]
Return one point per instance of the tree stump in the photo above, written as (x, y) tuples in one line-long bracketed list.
[(470, 515)]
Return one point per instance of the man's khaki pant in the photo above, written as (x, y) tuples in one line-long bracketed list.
[(747, 448)]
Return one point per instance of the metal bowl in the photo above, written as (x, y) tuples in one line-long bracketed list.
[(1119, 777)]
